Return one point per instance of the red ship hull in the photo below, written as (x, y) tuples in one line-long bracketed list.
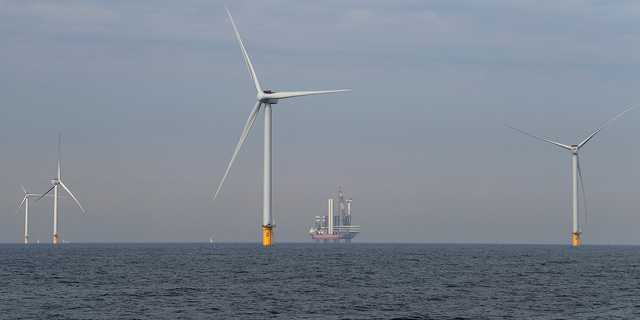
[(330, 237)]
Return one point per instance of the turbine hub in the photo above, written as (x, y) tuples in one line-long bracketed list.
[(55, 181), (574, 148)]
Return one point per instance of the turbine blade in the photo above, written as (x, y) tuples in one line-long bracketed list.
[(543, 139), (71, 194), (44, 194), (591, 136), (584, 198), (15, 175), (23, 200), (247, 127), (59, 136), (284, 95), (252, 72)]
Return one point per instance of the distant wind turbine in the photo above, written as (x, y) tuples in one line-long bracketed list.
[(268, 98), (576, 171), (56, 182), (25, 201)]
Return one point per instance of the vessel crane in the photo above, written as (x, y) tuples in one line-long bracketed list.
[(343, 217)]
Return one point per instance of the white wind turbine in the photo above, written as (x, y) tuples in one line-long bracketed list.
[(25, 201), (268, 98), (56, 182), (576, 171)]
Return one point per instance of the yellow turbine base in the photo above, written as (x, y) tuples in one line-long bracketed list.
[(26, 239), (267, 236), (55, 239), (576, 240)]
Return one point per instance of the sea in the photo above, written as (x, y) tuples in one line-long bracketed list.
[(318, 281)]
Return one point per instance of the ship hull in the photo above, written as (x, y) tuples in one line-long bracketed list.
[(332, 237)]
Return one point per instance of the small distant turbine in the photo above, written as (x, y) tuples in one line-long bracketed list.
[(25, 201), (56, 182), (268, 98), (576, 171)]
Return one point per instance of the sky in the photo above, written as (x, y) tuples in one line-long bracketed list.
[(150, 99)]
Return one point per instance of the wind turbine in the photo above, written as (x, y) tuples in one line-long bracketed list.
[(576, 171), (25, 201), (56, 182), (268, 98)]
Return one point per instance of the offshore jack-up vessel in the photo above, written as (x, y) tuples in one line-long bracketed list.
[(333, 228)]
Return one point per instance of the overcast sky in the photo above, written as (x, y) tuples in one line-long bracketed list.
[(151, 98)]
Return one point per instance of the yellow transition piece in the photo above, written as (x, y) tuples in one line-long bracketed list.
[(267, 236), (576, 240), (55, 239)]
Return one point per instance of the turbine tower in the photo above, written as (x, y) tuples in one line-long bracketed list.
[(56, 182), (268, 98), (576, 171)]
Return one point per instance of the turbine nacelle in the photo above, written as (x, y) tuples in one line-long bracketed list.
[(264, 97), (575, 148), (55, 182)]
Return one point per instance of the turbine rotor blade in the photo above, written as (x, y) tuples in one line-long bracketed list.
[(584, 197), (23, 200), (543, 139), (44, 194), (15, 175), (284, 95), (247, 127), (59, 136), (591, 136), (71, 194), (252, 72)]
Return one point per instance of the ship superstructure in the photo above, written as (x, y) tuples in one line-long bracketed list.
[(333, 228)]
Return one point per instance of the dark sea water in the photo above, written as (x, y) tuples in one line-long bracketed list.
[(310, 281)]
